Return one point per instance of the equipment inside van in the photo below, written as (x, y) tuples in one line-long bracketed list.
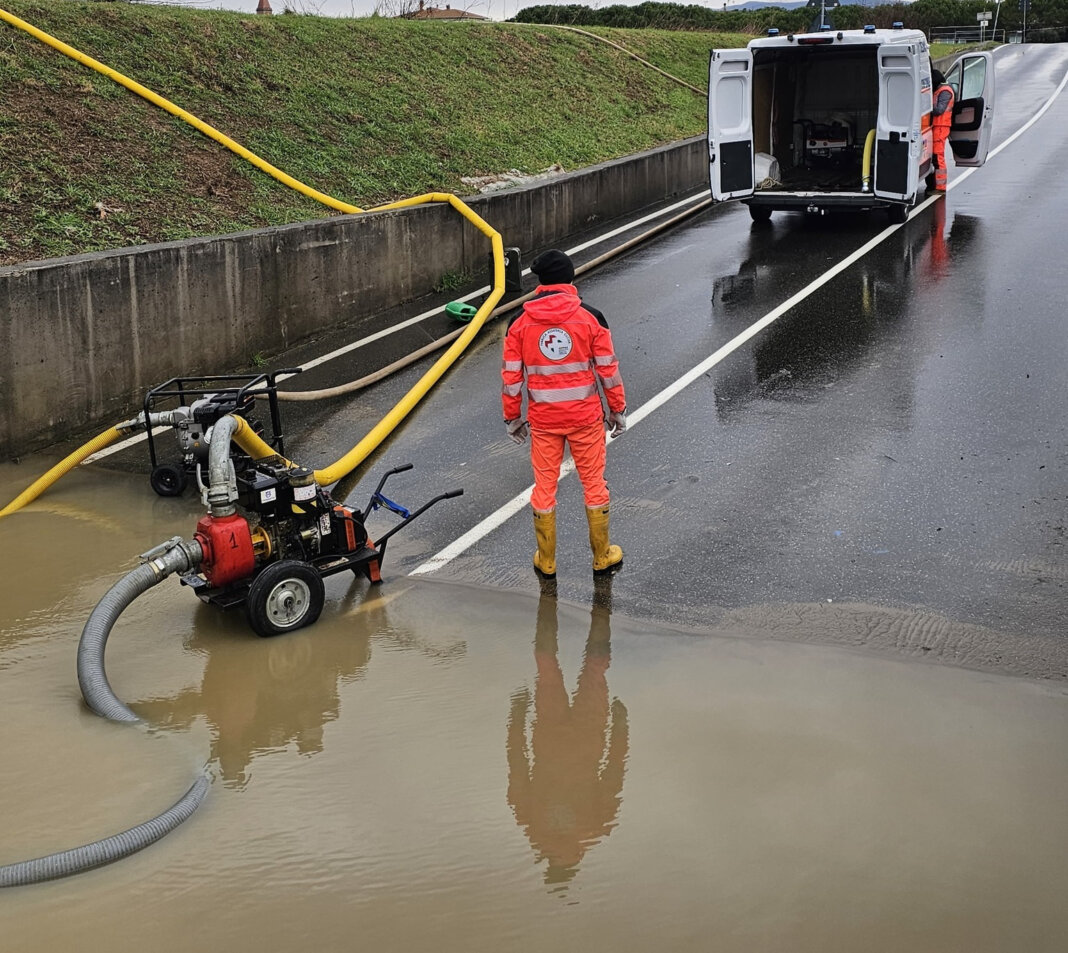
[(830, 120)]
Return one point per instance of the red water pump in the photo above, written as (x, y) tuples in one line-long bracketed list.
[(286, 535)]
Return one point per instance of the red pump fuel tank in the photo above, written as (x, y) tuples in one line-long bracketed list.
[(227, 545)]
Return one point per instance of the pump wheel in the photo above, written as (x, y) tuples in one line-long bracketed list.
[(760, 213), (167, 479), (285, 596)]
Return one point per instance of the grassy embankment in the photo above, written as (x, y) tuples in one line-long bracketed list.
[(365, 110)]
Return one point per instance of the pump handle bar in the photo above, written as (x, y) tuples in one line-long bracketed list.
[(382, 483), (381, 541)]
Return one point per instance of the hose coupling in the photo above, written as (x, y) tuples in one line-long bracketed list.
[(175, 555), (163, 418)]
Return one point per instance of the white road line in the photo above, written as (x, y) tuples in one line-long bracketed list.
[(393, 329), (1030, 122), (123, 444), (517, 503)]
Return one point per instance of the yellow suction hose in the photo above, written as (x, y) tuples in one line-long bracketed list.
[(256, 447), (65, 465), (865, 164)]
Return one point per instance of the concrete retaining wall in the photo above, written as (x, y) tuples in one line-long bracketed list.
[(83, 338)]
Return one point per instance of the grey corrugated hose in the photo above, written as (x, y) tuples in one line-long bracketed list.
[(92, 678), (175, 556), (105, 851)]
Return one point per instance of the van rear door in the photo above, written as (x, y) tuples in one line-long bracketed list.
[(897, 135), (730, 123), (972, 79)]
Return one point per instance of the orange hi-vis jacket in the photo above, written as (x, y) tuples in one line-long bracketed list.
[(559, 343), (942, 113)]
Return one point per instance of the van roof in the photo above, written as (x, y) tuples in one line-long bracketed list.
[(826, 38)]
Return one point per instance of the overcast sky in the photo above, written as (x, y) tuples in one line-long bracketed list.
[(494, 9)]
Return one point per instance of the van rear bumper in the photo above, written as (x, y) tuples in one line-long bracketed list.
[(807, 201)]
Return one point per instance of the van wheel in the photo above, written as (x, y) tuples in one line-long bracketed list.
[(898, 214), (759, 213)]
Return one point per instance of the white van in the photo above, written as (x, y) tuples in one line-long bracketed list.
[(837, 119)]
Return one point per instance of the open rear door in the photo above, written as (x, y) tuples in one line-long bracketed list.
[(897, 135), (730, 124), (972, 79)]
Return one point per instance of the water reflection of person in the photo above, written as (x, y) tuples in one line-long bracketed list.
[(565, 786), (938, 248), (261, 695)]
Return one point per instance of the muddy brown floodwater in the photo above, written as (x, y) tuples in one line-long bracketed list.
[(434, 767)]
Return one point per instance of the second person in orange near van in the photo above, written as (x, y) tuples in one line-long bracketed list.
[(557, 349), (941, 121)]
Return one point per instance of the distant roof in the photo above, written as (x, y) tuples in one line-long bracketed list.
[(441, 13)]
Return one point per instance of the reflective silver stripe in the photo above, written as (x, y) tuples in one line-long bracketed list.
[(608, 359), (513, 365), (560, 394), (576, 368), (511, 390), (614, 381)]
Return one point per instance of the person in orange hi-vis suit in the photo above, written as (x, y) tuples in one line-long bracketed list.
[(557, 349), (941, 121)]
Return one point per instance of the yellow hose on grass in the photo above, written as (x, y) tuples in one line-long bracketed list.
[(154, 98)]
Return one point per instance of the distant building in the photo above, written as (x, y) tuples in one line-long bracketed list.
[(440, 13), (264, 7)]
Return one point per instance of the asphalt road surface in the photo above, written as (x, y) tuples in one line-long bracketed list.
[(883, 464)]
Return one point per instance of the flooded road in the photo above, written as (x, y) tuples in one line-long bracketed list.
[(516, 771), (740, 744)]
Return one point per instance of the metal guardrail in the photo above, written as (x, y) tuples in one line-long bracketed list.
[(966, 34)]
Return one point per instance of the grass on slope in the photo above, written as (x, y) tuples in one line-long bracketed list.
[(366, 110)]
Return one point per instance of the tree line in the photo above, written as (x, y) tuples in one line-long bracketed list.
[(924, 15)]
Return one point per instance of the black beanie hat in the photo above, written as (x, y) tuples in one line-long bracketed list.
[(553, 268)]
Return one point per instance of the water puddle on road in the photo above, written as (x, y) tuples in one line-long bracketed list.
[(438, 767)]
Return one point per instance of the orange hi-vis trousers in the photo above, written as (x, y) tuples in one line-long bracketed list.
[(587, 450), (941, 135)]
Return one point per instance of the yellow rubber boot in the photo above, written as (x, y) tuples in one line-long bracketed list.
[(545, 533), (606, 557)]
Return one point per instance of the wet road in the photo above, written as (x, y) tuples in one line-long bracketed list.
[(457, 761), (883, 465)]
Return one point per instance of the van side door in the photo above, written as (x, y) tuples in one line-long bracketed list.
[(972, 79), (730, 124), (898, 138)]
